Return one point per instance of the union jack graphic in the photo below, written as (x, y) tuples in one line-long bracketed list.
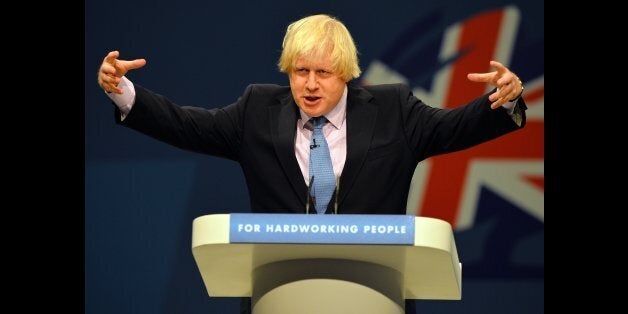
[(493, 192)]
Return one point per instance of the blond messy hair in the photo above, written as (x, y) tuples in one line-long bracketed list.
[(314, 36)]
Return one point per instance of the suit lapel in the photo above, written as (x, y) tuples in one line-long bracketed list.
[(361, 116), (283, 119)]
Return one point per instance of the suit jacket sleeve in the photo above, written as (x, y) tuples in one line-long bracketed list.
[(215, 132), (431, 131)]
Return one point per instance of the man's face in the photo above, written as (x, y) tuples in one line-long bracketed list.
[(316, 88)]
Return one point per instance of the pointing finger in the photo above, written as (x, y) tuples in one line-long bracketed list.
[(133, 64), (480, 77)]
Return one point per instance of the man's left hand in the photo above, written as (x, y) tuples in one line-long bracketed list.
[(509, 86)]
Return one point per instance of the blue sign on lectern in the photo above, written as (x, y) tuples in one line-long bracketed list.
[(321, 229)]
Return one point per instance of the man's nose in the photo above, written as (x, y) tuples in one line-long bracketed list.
[(312, 82)]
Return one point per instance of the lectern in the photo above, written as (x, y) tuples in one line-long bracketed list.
[(291, 263)]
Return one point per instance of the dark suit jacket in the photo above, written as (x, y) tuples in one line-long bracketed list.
[(388, 132)]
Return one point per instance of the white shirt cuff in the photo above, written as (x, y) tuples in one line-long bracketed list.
[(124, 101), (510, 106)]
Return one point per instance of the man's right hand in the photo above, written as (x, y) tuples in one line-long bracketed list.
[(112, 69)]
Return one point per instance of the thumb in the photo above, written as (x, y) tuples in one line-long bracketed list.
[(112, 56)]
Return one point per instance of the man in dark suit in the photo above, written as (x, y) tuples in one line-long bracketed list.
[(376, 135)]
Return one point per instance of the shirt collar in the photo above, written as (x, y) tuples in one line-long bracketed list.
[(336, 116)]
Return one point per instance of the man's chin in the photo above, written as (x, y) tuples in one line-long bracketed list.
[(311, 110)]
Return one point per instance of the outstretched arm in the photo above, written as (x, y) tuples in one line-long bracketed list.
[(111, 70), (509, 86)]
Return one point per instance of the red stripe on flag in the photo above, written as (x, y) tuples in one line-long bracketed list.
[(535, 94), (448, 172), (537, 181), (478, 37)]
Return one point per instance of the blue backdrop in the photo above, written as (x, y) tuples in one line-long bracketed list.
[(142, 195)]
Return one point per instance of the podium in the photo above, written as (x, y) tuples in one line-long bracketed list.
[(291, 263)]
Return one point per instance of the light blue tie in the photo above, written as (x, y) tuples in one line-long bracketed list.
[(321, 168)]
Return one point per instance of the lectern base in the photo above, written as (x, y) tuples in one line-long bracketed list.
[(328, 286)]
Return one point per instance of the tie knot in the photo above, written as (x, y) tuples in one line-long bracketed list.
[(319, 121)]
